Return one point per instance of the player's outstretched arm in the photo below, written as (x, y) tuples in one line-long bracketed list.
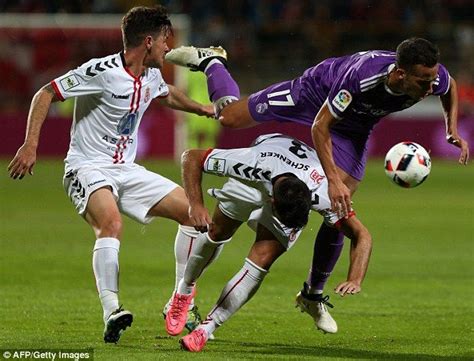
[(449, 102), (339, 193), (361, 247), (176, 99), (191, 174), (25, 158)]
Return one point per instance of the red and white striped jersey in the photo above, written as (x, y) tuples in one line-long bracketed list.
[(109, 105)]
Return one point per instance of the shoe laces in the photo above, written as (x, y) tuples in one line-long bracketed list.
[(118, 310), (179, 302), (325, 301)]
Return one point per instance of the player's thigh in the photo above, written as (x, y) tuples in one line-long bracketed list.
[(348, 180), (142, 191), (237, 115), (102, 212), (266, 249), (174, 205), (222, 227)]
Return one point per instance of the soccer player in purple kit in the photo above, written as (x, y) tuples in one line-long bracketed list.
[(342, 99)]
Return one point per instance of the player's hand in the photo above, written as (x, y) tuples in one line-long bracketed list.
[(23, 162), (347, 288), (200, 218), (340, 197), (460, 143), (208, 111)]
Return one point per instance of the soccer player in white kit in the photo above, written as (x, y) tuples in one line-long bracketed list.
[(101, 179), (273, 185)]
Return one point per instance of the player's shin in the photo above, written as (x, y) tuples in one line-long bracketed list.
[(183, 245), (105, 264), (327, 249), (235, 294), (222, 88), (202, 255)]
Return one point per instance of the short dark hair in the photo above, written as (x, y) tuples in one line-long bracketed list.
[(292, 201), (142, 21), (415, 51)]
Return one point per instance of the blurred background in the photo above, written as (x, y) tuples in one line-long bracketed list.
[(267, 41)]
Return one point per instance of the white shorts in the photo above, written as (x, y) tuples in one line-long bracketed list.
[(246, 204), (135, 189)]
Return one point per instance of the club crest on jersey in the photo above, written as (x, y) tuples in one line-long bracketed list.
[(261, 108), (69, 82), (127, 124), (146, 99), (216, 165), (342, 100), (316, 177)]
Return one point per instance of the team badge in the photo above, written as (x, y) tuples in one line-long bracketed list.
[(342, 100), (216, 165), (147, 95), (316, 177), (69, 82), (261, 108)]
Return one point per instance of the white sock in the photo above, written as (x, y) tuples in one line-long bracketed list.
[(204, 253), (106, 270), (235, 294), (183, 245)]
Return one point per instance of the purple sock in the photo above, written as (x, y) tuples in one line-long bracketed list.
[(327, 249), (220, 83)]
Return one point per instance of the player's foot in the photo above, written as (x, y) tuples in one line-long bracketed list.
[(177, 314), (195, 341), (316, 307), (196, 58), (116, 323)]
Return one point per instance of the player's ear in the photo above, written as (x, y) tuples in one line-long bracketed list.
[(401, 73), (148, 42)]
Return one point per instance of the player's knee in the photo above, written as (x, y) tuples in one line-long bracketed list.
[(219, 233), (110, 228)]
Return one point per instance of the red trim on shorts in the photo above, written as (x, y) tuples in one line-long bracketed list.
[(338, 223), (56, 90), (205, 156)]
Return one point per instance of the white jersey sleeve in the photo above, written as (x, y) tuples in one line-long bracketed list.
[(84, 80)]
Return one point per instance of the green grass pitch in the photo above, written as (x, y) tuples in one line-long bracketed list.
[(417, 301)]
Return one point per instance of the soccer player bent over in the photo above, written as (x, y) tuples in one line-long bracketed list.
[(273, 185), (341, 99), (101, 178)]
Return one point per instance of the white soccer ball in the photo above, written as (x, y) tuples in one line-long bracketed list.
[(407, 164)]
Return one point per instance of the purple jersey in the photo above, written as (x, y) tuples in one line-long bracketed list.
[(354, 88)]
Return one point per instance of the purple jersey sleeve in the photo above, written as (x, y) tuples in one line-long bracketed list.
[(342, 92), (442, 82)]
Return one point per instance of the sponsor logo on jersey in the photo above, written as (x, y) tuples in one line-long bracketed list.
[(69, 82), (342, 100), (146, 99), (115, 96), (216, 165), (316, 177), (95, 182), (127, 125)]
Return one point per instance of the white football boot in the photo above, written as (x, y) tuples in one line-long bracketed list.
[(196, 58), (116, 323), (316, 307)]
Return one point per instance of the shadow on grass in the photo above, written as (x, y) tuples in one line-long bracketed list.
[(279, 349)]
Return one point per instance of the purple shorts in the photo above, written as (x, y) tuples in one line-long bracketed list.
[(289, 101)]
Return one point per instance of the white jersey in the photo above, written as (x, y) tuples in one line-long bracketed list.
[(109, 105), (272, 155)]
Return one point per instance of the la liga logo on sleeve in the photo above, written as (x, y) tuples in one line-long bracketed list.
[(342, 100)]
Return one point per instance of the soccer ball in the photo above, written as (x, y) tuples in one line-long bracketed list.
[(407, 164)]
